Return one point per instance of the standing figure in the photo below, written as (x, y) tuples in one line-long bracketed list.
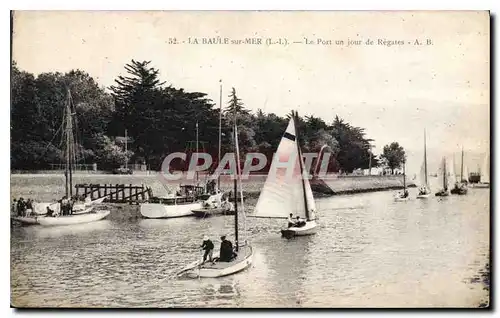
[(208, 246)]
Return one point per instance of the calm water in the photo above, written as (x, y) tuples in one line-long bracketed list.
[(369, 251)]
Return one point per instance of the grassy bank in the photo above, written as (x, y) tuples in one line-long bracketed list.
[(47, 187)]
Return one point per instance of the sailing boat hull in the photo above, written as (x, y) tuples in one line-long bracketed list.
[(163, 211), (308, 229), (221, 269), (73, 219), (481, 185), (423, 196), (459, 191), (399, 199), (203, 213), (442, 194)]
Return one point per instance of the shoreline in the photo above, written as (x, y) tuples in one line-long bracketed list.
[(48, 187)]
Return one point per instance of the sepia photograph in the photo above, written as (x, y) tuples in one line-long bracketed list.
[(250, 159)]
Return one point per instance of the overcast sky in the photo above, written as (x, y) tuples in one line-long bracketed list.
[(393, 92)]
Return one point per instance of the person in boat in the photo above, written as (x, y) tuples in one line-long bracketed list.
[(13, 207), (65, 206), (299, 222), (50, 212), (21, 207), (208, 246), (29, 206), (290, 220), (226, 253)]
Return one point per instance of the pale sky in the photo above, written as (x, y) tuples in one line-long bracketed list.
[(393, 92)]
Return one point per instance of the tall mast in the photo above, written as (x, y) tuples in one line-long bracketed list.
[(445, 184), (404, 174), (299, 153), (220, 130), (425, 159), (69, 146), (237, 159), (196, 151), (462, 166)]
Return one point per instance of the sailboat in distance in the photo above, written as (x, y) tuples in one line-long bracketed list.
[(404, 195), (443, 177), (484, 182), (461, 184), (425, 190), (284, 193)]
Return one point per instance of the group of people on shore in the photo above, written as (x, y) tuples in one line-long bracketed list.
[(26, 208), (22, 207), (226, 253)]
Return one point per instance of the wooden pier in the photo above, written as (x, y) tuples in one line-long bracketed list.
[(115, 193)]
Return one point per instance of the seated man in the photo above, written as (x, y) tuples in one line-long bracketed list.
[(226, 253), (300, 222), (290, 220)]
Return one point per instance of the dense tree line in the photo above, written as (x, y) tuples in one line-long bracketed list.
[(159, 118)]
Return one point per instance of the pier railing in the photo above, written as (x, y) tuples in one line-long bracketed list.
[(115, 193)]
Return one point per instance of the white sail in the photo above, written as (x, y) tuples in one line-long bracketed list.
[(283, 194), (450, 168), (310, 198), (443, 174), (485, 169), (465, 173)]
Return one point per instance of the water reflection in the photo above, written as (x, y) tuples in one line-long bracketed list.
[(40, 232), (369, 251)]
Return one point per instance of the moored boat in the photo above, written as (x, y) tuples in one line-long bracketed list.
[(443, 176), (73, 219), (460, 187), (424, 191), (402, 196)]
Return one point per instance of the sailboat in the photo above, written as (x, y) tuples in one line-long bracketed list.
[(460, 185), (244, 251), (484, 182), (282, 194), (443, 177), (189, 197), (403, 196), (83, 215), (425, 190), (217, 204)]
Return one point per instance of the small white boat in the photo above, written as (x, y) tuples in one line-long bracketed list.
[(174, 206), (220, 269), (424, 190), (73, 219), (485, 173), (282, 194), (423, 196), (244, 251), (217, 204), (404, 195), (443, 176), (309, 228), (399, 198)]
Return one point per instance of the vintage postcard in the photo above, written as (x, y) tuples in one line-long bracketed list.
[(250, 159)]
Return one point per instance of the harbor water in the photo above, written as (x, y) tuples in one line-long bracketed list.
[(369, 252)]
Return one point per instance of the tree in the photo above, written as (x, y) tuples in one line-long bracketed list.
[(353, 147), (393, 155)]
